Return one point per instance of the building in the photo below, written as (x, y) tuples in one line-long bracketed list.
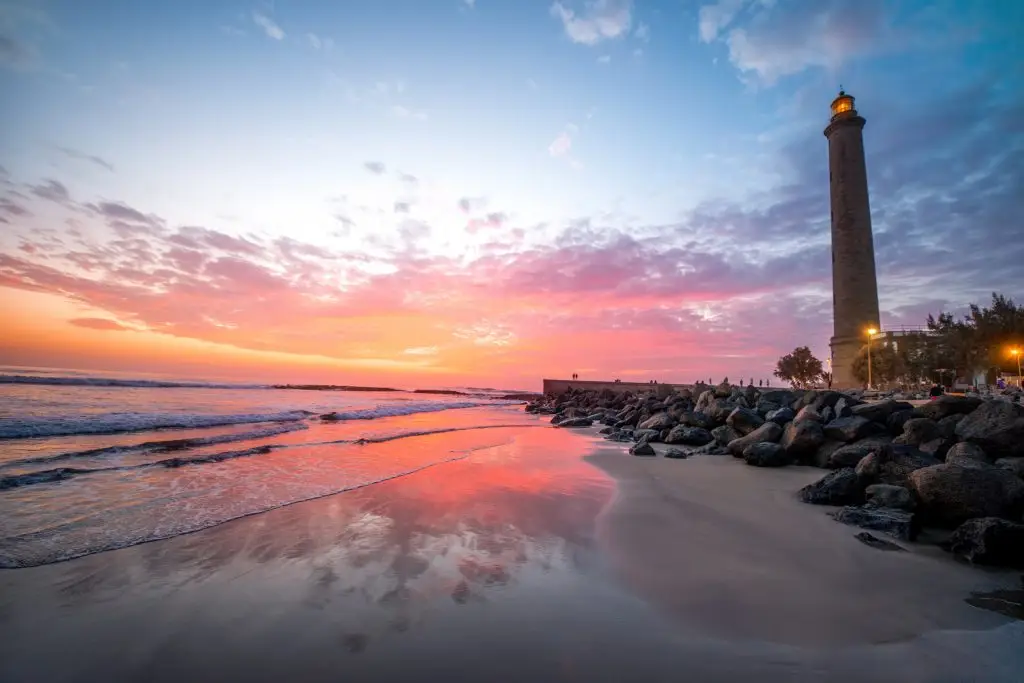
[(854, 286)]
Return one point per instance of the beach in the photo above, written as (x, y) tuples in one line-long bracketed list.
[(544, 554)]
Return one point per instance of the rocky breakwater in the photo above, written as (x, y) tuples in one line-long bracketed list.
[(955, 463)]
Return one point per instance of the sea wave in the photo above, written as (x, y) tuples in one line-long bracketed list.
[(117, 423), (164, 446), (112, 382), (410, 408)]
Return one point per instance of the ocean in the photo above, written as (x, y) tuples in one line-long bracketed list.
[(95, 461)]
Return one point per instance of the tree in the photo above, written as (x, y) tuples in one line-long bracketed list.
[(800, 368), (907, 359), (980, 340)]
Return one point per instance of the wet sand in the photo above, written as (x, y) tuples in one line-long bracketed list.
[(521, 562)]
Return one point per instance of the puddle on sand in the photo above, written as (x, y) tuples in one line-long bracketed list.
[(1009, 603)]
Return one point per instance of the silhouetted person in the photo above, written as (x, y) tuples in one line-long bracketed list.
[(741, 382), (935, 391), (760, 382)]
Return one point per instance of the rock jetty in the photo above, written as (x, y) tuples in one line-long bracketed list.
[(954, 463)]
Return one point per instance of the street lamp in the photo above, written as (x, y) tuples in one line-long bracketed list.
[(1017, 354), (871, 333)]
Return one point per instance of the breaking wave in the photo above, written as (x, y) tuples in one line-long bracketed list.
[(112, 382), (117, 423)]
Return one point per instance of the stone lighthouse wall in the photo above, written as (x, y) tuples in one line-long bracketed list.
[(854, 287)]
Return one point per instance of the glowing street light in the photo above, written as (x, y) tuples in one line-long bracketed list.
[(1017, 354), (871, 333)]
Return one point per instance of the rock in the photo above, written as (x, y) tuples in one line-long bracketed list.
[(949, 405), (894, 466), (897, 420), (937, 448), (652, 435), (642, 448), (824, 452), (967, 454), (947, 425), (723, 390), (780, 397), (782, 416), (1015, 465), (839, 487), (764, 407), (624, 437), (807, 413), (689, 436), (826, 399), (724, 434), (852, 428), (704, 400), (918, 430), (889, 496), (696, 420), (996, 426), (876, 542), (827, 415), (744, 420), (897, 523), (989, 540), (851, 454), (801, 438), (575, 422), (607, 430), (765, 454), (842, 408), (951, 494), (676, 453), (769, 431), (659, 422), (880, 410)]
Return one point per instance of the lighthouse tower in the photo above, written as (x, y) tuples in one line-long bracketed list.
[(854, 288)]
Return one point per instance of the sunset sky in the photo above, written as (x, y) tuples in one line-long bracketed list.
[(452, 192)]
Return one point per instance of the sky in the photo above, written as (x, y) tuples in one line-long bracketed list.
[(456, 192)]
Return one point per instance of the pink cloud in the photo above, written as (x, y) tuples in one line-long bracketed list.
[(98, 324)]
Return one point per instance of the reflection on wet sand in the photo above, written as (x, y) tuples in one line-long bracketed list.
[(482, 569)]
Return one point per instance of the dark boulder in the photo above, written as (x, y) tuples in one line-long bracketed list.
[(659, 422), (951, 494), (689, 436), (781, 397), (918, 430), (623, 437), (676, 453), (839, 487), (899, 524), (769, 431), (824, 451), (880, 410), (744, 420), (802, 438), (842, 408), (876, 542), (947, 425), (691, 419), (607, 430), (782, 416), (893, 466), (889, 496), (1015, 465), (575, 422), (651, 435), (897, 420), (949, 405), (996, 426), (989, 540), (852, 428), (967, 454), (807, 413), (724, 434), (766, 454), (851, 454), (642, 448)]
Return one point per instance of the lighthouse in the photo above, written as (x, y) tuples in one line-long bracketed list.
[(854, 288)]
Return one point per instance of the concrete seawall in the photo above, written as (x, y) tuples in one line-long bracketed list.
[(558, 386)]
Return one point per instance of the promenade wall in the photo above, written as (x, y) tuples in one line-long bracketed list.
[(558, 386)]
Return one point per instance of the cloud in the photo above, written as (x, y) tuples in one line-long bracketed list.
[(15, 54), (269, 27), (52, 190), (562, 143), (421, 351), (531, 84), (471, 204), (375, 167), (118, 213), (12, 208), (643, 32), (714, 18), (81, 156), (600, 20), (98, 324), (471, 4), (402, 207), (402, 112), (604, 59), (408, 178), (320, 43)]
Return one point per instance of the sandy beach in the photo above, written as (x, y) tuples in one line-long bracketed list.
[(546, 556)]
